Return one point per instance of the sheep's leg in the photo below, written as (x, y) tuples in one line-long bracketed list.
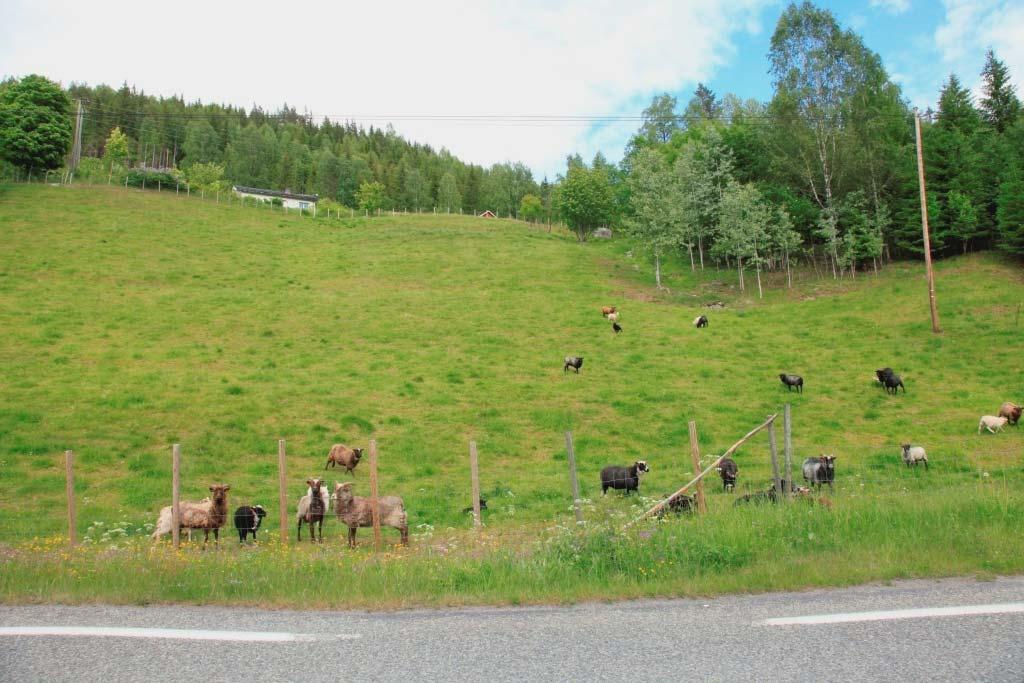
[(405, 535), (351, 537), (216, 535), (300, 528)]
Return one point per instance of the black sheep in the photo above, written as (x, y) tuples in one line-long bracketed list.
[(680, 504), (248, 520), (729, 471), (483, 506), (820, 470), (892, 384), (616, 328), (792, 381), (574, 362), (616, 477)]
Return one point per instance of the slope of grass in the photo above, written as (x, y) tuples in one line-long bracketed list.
[(133, 320)]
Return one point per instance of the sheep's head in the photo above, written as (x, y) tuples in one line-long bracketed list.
[(641, 466), (220, 492), (260, 512), (343, 491), (906, 448), (314, 485), (357, 453)]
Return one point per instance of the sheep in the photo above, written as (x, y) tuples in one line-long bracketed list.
[(700, 321), (616, 328), (890, 380), (607, 310), (483, 506), (820, 470), (613, 317), (616, 477), (680, 504), (355, 511), (312, 508), (209, 514), (248, 520), (770, 495), (346, 457), (882, 373), (1011, 411), (913, 455), (792, 381), (574, 362), (992, 423), (729, 471)]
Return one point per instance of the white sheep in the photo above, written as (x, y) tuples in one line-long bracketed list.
[(991, 423), (614, 317), (913, 455)]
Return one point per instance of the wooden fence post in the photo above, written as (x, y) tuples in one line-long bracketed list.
[(474, 473), (282, 491), (69, 474), (787, 447), (374, 505), (571, 457), (702, 505), (176, 495), (776, 480)]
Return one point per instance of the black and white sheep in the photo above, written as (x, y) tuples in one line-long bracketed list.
[(792, 381), (913, 455), (700, 321), (729, 471), (628, 478), (247, 521), (820, 470), (616, 328), (574, 362)]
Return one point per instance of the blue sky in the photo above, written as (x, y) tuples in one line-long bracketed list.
[(435, 69)]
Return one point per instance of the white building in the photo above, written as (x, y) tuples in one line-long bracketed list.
[(290, 200)]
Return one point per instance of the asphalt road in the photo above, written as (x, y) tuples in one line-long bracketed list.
[(724, 639)]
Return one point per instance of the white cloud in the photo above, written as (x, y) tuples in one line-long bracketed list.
[(396, 58), (891, 6), (973, 26)]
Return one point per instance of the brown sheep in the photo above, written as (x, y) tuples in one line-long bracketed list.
[(312, 509), (346, 457), (355, 511), (606, 310), (1011, 411), (208, 514)]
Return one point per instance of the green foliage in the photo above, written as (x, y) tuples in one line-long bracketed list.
[(116, 151), (448, 197), (531, 208), (150, 180), (206, 177), (371, 197), (586, 200), (35, 126), (1011, 215), (202, 143), (999, 99)]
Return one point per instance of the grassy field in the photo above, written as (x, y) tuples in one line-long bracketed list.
[(134, 320)]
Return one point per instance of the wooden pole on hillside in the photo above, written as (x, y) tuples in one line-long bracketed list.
[(702, 505), (924, 228), (776, 479), (570, 454), (474, 473), (282, 492), (787, 447), (69, 478), (176, 495), (374, 503)]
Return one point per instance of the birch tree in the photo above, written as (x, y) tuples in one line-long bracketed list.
[(655, 200)]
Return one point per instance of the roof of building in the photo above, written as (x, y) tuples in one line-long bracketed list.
[(277, 193), (487, 214)]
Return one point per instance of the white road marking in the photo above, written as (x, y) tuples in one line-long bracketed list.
[(887, 615), (171, 634)]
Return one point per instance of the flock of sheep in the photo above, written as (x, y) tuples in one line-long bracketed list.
[(816, 471), (211, 514)]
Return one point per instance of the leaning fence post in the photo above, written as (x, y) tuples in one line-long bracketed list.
[(69, 475), (282, 491), (374, 504), (571, 457), (175, 494), (702, 505), (776, 481), (787, 447), (474, 473)]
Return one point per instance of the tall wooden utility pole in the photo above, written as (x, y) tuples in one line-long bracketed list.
[(924, 227)]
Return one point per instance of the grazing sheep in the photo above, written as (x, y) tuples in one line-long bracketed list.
[(792, 381), (820, 470), (614, 317), (883, 373), (607, 310), (913, 455), (891, 381), (616, 477), (729, 471), (992, 423), (346, 457), (681, 504), (312, 508), (209, 514), (355, 511), (248, 520), (770, 495), (700, 321), (574, 362), (1011, 411), (483, 506), (616, 328)]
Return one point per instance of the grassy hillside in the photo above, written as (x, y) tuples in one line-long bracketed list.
[(133, 320)]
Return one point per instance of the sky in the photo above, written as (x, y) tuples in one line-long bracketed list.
[(539, 71)]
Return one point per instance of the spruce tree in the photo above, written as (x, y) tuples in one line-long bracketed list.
[(1000, 105)]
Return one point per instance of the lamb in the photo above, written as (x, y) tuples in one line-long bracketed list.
[(574, 362), (312, 508), (792, 381), (992, 423), (729, 471), (355, 511), (616, 328), (613, 317), (616, 477), (820, 470), (248, 520), (913, 455), (700, 321), (1011, 411), (346, 457), (607, 310), (209, 514)]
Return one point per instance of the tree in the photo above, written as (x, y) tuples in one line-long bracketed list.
[(202, 143), (744, 224), (660, 119), (328, 175), (963, 218), (448, 197), (586, 200), (531, 208), (415, 189), (372, 196), (1011, 215), (35, 126), (704, 168), (656, 203), (115, 151), (207, 177), (999, 103)]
